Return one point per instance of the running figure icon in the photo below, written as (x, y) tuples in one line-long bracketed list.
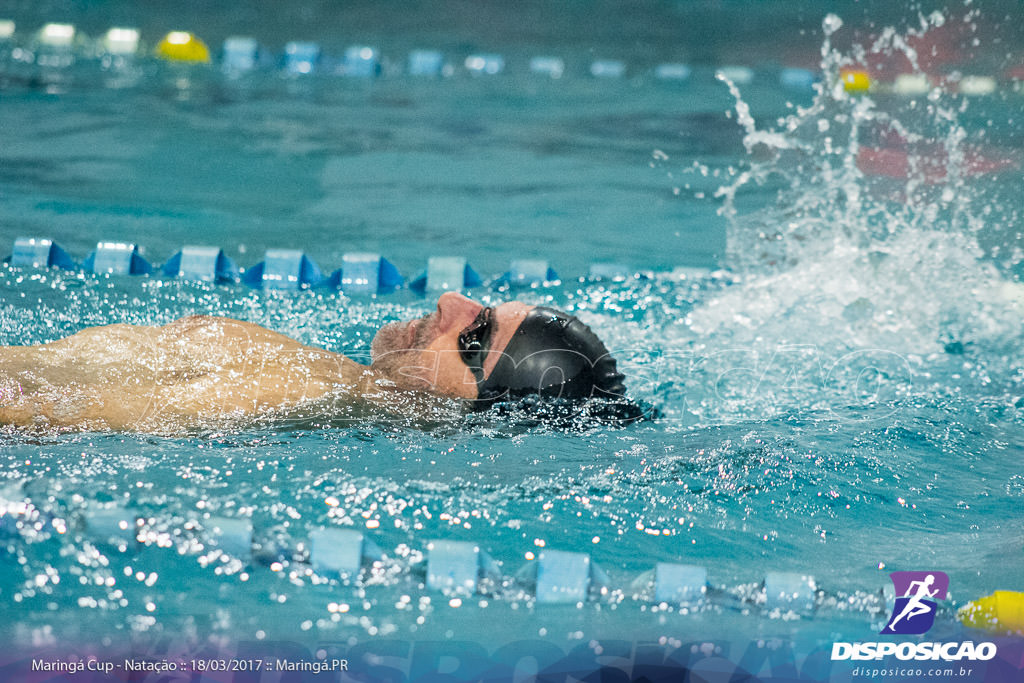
[(914, 606), (914, 610)]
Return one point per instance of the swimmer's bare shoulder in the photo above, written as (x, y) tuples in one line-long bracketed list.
[(199, 370)]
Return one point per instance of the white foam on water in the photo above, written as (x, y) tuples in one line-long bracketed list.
[(843, 263)]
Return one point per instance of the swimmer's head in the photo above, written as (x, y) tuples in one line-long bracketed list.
[(489, 355), (551, 354)]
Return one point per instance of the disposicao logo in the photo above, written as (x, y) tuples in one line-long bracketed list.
[(913, 613), (916, 596)]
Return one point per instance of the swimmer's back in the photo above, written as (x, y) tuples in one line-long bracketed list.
[(195, 369)]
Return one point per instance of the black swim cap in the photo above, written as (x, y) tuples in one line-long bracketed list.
[(552, 355)]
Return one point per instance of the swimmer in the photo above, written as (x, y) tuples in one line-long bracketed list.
[(202, 371)]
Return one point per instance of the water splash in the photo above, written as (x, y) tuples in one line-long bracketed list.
[(847, 258)]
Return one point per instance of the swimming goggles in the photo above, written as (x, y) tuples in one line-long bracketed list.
[(475, 340)]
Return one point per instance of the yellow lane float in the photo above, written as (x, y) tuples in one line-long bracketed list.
[(855, 80), (182, 46), (1001, 612)]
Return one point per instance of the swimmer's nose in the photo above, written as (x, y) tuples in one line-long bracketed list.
[(456, 310)]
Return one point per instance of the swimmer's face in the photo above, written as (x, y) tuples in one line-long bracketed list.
[(427, 355)]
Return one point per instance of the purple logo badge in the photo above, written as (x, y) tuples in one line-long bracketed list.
[(916, 596)]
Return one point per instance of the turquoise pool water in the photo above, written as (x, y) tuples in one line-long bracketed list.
[(837, 355)]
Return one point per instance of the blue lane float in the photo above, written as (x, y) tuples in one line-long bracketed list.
[(607, 68), (459, 567), (888, 595), (14, 509), (797, 79), (446, 272), (20, 517), (204, 264), (58, 45), (285, 269), (561, 576), (341, 553), (301, 57), (239, 54), (121, 42), (336, 552), (113, 524), (609, 271), (740, 75), (912, 85), (231, 535), (117, 258), (554, 577), (56, 35), (485, 64), (35, 252), (552, 67), (789, 591), (425, 63), (55, 46), (527, 273), (293, 269), (672, 72), (679, 583), (361, 61), (366, 273)]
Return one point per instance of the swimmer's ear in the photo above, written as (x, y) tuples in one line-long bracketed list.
[(608, 382)]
